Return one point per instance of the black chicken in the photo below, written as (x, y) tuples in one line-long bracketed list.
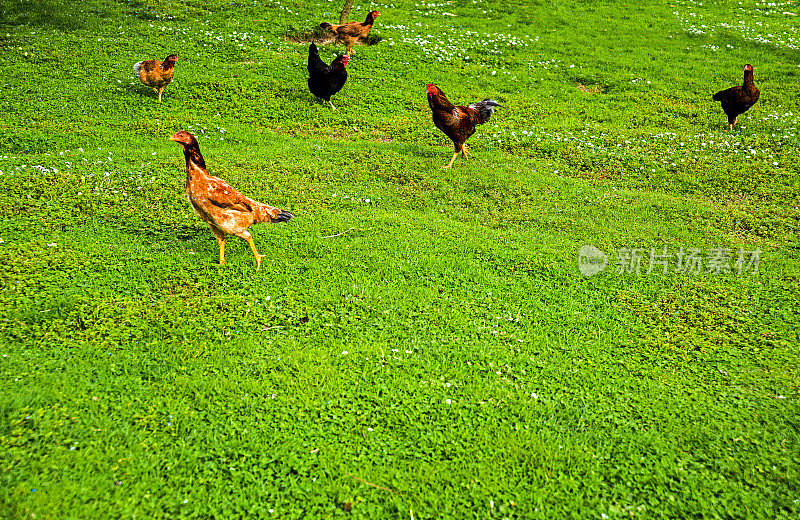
[(325, 80), (737, 100)]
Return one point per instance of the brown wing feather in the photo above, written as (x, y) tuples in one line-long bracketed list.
[(458, 124), (220, 205), (223, 195), (353, 29), (152, 74)]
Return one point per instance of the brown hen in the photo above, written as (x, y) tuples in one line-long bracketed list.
[(349, 33), (156, 74), (218, 204)]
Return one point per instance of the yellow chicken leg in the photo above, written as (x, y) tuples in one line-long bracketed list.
[(450, 164), (221, 241), (252, 244)]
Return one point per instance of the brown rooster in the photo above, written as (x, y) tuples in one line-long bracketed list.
[(457, 122), (349, 33), (216, 202), (737, 100), (156, 74)]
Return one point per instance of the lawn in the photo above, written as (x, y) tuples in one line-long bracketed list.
[(419, 342)]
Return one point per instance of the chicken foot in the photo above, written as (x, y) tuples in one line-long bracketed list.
[(252, 245), (246, 236), (450, 164), (463, 152)]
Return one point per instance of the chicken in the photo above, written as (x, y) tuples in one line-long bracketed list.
[(457, 122), (225, 210), (349, 33), (156, 74), (737, 100), (325, 80)]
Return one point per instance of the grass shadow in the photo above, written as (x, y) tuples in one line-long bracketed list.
[(42, 13), (165, 232), (322, 36)]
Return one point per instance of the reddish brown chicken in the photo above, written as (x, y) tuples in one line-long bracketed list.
[(349, 33), (156, 74), (737, 100), (457, 122), (225, 210)]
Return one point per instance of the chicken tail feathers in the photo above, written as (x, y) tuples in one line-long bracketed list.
[(719, 96), (283, 216), (266, 213), (325, 25), (314, 61), (485, 108), (137, 67)]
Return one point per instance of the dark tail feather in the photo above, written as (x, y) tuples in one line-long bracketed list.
[(314, 61), (719, 96), (283, 216), (486, 108), (325, 25), (267, 213)]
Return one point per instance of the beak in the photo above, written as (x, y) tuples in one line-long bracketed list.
[(174, 137)]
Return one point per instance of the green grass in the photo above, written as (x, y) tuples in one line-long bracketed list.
[(419, 341)]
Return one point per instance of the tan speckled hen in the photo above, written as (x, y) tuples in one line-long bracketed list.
[(218, 204), (156, 74)]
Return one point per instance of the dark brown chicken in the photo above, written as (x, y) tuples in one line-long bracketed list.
[(156, 74), (349, 33), (225, 210), (737, 100), (457, 122)]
